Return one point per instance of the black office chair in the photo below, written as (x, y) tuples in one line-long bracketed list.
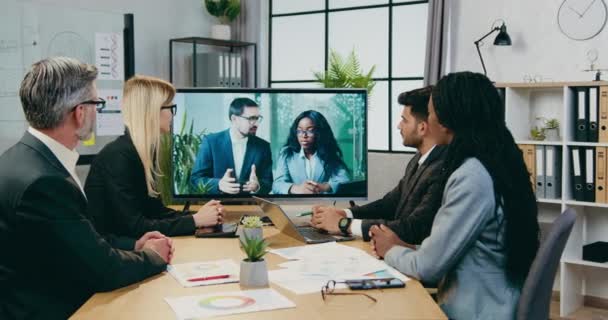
[(535, 299)]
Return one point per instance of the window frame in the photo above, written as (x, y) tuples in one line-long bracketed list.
[(391, 4)]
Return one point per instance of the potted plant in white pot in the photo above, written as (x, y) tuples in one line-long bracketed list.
[(226, 11), (254, 272), (251, 227), (552, 129)]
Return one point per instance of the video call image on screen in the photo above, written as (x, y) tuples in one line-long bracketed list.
[(279, 143)]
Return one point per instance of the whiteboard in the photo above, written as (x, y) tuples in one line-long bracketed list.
[(30, 32)]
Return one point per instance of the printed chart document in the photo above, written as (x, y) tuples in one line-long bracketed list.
[(109, 120), (226, 303), (205, 273), (313, 265)]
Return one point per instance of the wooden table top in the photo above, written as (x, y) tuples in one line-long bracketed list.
[(145, 300)]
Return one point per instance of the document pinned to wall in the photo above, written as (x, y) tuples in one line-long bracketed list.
[(225, 303), (109, 56), (109, 120)]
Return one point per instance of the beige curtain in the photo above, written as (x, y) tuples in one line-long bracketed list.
[(246, 27), (437, 41)]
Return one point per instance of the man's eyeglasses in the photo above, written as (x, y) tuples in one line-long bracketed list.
[(253, 119), (172, 107), (100, 104), (307, 133), (329, 289)]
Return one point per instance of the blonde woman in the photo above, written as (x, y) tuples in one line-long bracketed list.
[(121, 187)]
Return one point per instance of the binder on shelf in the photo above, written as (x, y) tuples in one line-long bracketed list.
[(603, 125), (222, 73), (540, 172), (227, 70), (234, 77), (527, 151), (600, 175), (578, 180), (239, 75), (209, 69), (590, 174), (582, 115), (553, 172), (593, 118)]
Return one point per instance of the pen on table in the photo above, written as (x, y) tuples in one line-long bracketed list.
[(304, 214), (222, 276)]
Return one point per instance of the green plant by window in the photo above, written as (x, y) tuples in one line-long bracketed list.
[(252, 222), (255, 249), (225, 10), (346, 73)]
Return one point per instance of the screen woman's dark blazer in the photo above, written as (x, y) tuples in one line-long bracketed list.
[(118, 197), (52, 257)]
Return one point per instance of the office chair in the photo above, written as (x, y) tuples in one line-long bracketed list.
[(535, 299)]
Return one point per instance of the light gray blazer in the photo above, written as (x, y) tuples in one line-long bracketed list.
[(465, 252), (293, 171)]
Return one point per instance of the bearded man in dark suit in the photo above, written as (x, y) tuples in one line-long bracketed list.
[(408, 209)]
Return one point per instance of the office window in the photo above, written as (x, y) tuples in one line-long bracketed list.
[(389, 34)]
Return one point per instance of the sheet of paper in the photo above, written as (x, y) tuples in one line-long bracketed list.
[(110, 124), (199, 270), (312, 266), (109, 56), (110, 120), (225, 303), (302, 252)]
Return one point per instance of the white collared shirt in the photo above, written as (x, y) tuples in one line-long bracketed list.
[(66, 157), (424, 156), (311, 163), (355, 226), (239, 147)]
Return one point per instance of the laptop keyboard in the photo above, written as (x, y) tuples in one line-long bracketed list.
[(312, 234)]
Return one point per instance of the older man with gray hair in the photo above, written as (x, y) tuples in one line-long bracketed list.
[(53, 259)]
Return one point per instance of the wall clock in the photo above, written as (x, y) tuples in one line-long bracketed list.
[(582, 19)]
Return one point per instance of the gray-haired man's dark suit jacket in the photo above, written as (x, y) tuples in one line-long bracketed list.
[(408, 209), (52, 257)]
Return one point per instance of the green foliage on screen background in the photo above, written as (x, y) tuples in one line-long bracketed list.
[(346, 116), (184, 149)]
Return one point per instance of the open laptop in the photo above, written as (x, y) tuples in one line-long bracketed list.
[(287, 227)]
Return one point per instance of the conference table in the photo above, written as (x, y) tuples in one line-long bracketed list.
[(145, 300)]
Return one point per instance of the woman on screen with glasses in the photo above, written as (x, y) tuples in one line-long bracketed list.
[(485, 234), (311, 160), (122, 185)]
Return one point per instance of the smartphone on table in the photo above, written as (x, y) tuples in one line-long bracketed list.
[(224, 230), (369, 284)]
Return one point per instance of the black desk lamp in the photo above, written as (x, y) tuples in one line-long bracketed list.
[(502, 39)]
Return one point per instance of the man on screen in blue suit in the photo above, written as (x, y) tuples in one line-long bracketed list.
[(235, 160)]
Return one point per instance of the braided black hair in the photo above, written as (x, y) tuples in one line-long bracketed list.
[(469, 105)]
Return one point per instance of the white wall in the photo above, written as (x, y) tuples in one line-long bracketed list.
[(156, 21), (538, 47)]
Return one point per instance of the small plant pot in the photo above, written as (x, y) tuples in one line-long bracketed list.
[(254, 274), (220, 31), (251, 233), (552, 134)]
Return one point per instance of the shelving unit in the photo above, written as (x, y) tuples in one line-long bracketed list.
[(577, 280), (232, 46)]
